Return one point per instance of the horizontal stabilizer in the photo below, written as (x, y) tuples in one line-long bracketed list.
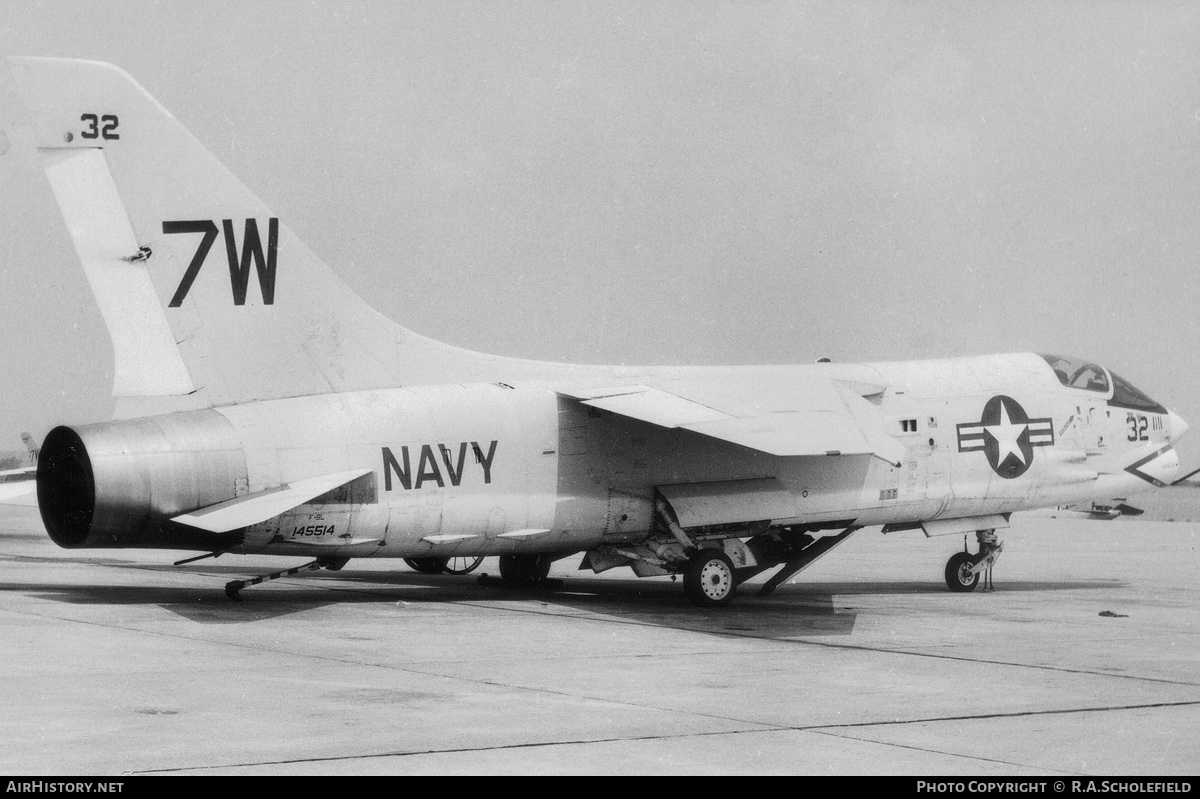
[(263, 505), (26, 475), (17, 483), (16, 490)]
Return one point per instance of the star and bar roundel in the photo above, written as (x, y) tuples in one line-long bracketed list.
[(1006, 436)]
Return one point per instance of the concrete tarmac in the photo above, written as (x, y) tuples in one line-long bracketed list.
[(116, 662)]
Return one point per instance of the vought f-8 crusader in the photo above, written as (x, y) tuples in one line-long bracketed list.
[(261, 407)]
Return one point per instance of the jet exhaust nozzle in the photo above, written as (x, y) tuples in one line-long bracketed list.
[(118, 484)]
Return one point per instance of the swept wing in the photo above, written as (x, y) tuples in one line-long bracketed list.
[(816, 417)]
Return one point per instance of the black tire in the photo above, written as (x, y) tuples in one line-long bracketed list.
[(524, 569), (427, 565), (462, 565), (710, 580), (957, 575)]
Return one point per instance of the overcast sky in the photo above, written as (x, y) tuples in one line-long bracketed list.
[(678, 182)]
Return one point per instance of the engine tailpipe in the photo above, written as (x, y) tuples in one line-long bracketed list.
[(118, 484)]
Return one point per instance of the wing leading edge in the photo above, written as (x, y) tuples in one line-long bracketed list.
[(822, 417)]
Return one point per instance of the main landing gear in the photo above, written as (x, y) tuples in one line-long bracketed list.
[(963, 570), (459, 565), (708, 579), (523, 571)]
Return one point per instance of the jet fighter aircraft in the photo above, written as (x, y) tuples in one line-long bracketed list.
[(261, 407)]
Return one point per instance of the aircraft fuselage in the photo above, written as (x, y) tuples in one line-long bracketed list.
[(498, 468)]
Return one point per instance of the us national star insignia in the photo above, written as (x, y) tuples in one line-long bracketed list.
[(1006, 435)]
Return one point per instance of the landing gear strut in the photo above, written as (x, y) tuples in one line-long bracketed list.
[(963, 570)]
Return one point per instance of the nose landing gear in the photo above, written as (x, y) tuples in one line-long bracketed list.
[(963, 570)]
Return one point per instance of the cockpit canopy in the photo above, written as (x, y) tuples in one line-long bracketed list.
[(1078, 373), (1086, 376)]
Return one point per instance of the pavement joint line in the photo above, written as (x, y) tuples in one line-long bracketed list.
[(854, 647), (435, 674), (833, 729), (778, 644), (993, 716), (942, 752), (760, 725), (449, 751), (820, 729), (724, 633), (544, 744)]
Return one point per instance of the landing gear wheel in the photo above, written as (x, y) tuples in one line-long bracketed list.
[(524, 569), (708, 580), (959, 577), (427, 565), (462, 565)]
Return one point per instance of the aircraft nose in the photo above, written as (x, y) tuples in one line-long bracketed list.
[(1178, 426)]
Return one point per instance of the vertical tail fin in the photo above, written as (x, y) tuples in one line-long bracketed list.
[(208, 296)]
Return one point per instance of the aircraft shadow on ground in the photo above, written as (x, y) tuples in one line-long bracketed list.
[(804, 609), (657, 604), (60, 560), (897, 587), (211, 607)]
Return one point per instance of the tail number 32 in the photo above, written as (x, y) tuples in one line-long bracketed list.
[(100, 127)]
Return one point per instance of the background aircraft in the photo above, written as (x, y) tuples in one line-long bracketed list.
[(20, 482), (263, 407)]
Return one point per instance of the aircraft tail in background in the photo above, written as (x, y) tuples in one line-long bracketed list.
[(17, 485), (32, 448)]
